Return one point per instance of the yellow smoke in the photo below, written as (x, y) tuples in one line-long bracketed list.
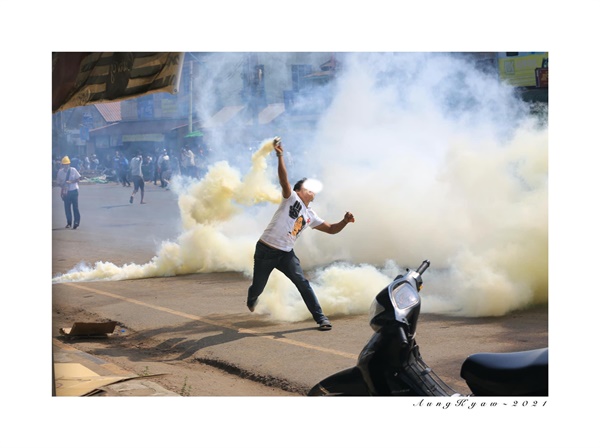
[(219, 195), (203, 246)]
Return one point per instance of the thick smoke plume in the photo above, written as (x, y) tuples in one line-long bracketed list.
[(436, 160)]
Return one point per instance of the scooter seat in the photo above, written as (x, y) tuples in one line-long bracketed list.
[(522, 374)]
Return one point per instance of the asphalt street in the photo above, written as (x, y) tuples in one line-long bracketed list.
[(202, 320)]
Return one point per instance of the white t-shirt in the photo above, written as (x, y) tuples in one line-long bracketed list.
[(290, 219), (61, 178), (136, 166)]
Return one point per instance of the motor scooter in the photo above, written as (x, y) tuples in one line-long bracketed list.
[(390, 364)]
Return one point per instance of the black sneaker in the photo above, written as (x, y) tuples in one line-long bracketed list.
[(131, 199), (68, 226), (325, 325), (75, 226)]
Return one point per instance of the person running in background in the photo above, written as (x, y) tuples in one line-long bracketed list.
[(68, 179), (275, 248), (137, 177)]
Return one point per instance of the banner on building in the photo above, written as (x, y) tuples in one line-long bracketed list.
[(79, 79)]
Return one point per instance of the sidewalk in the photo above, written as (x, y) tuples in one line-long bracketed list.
[(80, 374)]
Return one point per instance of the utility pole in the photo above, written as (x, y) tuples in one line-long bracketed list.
[(253, 86), (191, 101)]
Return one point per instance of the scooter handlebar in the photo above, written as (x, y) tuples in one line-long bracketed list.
[(423, 267)]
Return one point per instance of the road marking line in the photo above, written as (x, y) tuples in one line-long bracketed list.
[(215, 323)]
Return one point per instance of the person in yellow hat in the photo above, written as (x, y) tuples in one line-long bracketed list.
[(68, 179)]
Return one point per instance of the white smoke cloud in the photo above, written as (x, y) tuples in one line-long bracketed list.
[(440, 163), (436, 161)]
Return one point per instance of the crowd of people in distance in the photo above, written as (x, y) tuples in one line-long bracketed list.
[(158, 167)]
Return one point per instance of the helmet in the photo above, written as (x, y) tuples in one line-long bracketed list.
[(166, 158), (65, 160)]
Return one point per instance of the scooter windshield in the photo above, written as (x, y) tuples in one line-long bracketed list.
[(405, 305), (404, 297)]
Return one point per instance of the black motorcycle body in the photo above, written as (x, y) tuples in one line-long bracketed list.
[(390, 364)]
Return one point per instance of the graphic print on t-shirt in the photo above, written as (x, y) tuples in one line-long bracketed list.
[(298, 226), (300, 222), (295, 209)]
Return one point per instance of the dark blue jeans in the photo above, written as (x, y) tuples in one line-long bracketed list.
[(265, 260), (72, 201)]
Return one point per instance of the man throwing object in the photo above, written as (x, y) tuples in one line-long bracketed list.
[(275, 248)]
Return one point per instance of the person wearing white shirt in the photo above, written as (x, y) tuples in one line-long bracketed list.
[(275, 248), (68, 179)]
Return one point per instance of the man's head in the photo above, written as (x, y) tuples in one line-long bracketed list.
[(299, 184), (307, 189)]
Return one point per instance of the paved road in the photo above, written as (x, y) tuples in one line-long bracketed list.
[(201, 319)]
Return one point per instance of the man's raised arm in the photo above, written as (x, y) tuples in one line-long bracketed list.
[(286, 188)]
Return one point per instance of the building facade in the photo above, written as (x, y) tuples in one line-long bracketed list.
[(218, 93)]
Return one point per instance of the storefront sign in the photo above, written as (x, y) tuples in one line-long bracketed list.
[(143, 138)]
